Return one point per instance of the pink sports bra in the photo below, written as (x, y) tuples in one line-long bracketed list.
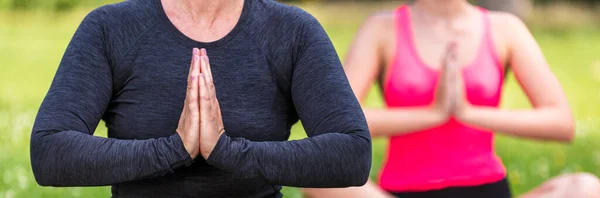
[(452, 154)]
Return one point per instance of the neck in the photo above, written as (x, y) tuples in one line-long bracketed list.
[(204, 10), (446, 9)]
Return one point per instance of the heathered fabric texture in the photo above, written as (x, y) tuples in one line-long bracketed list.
[(127, 64)]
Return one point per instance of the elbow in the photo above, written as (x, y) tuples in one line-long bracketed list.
[(363, 162), (359, 175), (562, 127), (559, 125), (43, 176), (569, 136), (362, 176), (42, 171), (567, 131)]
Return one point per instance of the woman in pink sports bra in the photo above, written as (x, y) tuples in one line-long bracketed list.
[(443, 98)]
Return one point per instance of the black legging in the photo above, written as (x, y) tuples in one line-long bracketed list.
[(499, 189)]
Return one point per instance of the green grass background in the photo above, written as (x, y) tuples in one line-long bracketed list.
[(32, 44)]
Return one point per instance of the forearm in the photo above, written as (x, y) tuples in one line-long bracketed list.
[(72, 158), (398, 121), (543, 123), (328, 160)]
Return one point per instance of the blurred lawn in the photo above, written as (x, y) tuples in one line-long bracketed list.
[(32, 44)]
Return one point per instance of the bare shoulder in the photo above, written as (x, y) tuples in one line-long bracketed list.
[(383, 16), (506, 21), (503, 27), (378, 24), (510, 34), (380, 19)]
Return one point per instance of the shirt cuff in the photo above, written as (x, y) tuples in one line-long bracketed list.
[(180, 157), (223, 156)]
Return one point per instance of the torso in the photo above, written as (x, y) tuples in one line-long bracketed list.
[(452, 154), (434, 51), (150, 61)]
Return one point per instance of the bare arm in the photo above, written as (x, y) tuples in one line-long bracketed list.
[(362, 65), (551, 117)]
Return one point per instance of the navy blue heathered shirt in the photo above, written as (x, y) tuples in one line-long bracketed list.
[(127, 64)]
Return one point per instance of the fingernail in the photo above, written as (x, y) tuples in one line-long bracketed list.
[(195, 51), (204, 52)]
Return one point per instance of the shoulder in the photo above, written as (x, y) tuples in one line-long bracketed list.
[(281, 11), (124, 14), (284, 26), (505, 21), (508, 27), (379, 22), (283, 17), (381, 18), (119, 25)]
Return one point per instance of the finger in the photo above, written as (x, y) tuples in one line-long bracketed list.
[(450, 94), (204, 92), (194, 61), (192, 102), (447, 52), (205, 102), (208, 80), (195, 52), (189, 77), (451, 51), (451, 46), (208, 69), (452, 63), (208, 72), (204, 71)]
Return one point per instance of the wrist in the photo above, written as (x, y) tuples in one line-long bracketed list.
[(217, 149), (179, 155), (465, 113), (439, 116), (208, 149), (193, 152), (187, 145)]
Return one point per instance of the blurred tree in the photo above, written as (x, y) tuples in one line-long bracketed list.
[(57, 5), (61, 5)]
